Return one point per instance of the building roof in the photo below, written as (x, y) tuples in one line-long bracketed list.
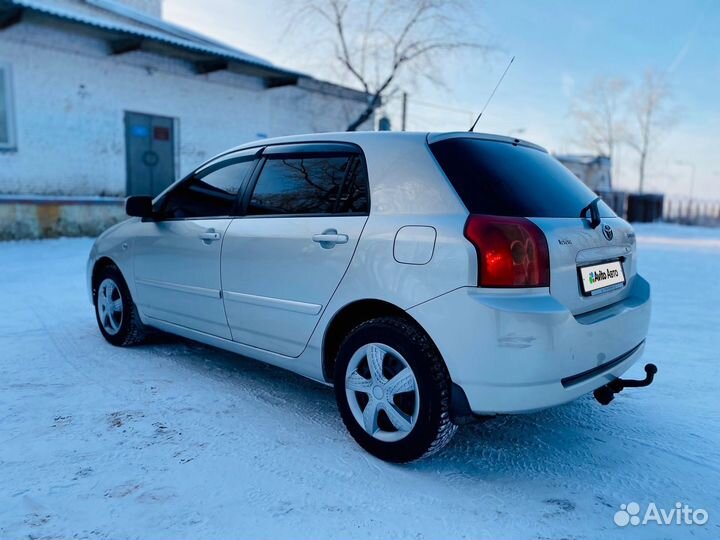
[(583, 159), (128, 29)]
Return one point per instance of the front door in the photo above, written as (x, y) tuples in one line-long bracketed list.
[(283, 261), (150, 153), (177, 255)]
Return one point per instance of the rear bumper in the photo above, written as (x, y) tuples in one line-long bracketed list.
[(521, 350)]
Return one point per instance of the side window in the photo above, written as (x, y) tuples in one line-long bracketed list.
[(7, 126), (354, 196), (299, 185), (211, 194)]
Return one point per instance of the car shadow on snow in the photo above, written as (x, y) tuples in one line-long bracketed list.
[(560, 441), (575, 440)]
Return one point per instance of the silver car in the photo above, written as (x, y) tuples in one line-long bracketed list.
[(428, 277)]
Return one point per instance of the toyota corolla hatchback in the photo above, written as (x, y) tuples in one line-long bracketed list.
[(428, 277)]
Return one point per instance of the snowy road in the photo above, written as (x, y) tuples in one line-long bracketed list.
[(177, 440)]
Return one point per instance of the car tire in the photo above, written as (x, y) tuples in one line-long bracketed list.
[(395, 414), (115, 312)]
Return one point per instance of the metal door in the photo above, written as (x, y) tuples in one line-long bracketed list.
[(150, 153)]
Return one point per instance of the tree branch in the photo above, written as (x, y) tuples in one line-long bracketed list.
[(376, 39)]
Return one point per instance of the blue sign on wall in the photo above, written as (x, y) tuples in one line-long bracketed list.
[(140, 131)]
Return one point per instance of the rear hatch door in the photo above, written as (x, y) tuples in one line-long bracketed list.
[(507, 177), (589, 267)]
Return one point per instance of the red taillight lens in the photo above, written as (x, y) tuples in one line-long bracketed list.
[(511, 251)]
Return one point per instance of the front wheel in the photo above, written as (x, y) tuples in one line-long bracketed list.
[(393, 390), (115, 311)]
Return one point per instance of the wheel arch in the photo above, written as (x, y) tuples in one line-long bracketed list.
[(354, 313), (347, 318), (102, 263)]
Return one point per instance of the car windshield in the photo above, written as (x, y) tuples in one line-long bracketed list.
[(504, 179)]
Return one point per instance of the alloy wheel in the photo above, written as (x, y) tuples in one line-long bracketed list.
[(110, 306), (382, 392)]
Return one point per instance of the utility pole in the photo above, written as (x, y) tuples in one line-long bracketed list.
[(692, 175), (404, 111)]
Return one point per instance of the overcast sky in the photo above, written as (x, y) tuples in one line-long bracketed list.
[(559, 47)]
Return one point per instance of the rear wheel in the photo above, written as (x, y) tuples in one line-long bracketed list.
[(115, 311), (393, 390)]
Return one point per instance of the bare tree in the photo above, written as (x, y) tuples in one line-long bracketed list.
[(601, 116), (651, 105), (376, 43)]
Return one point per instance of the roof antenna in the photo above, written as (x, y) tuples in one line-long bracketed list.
[(472, 128)]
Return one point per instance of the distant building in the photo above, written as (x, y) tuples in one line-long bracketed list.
[(594, 171), (101, 99)]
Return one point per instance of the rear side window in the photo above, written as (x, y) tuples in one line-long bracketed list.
[(354, 196), (501, 179), (310, 185)]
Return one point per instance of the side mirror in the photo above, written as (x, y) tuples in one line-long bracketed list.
[(139, 206)]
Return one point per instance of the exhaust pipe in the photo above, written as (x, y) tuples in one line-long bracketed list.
[(605, 394)]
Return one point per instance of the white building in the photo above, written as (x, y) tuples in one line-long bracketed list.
[(594, 171), (101, 99)]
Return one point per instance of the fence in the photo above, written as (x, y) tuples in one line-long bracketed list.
[(692, 211), (648, 207)]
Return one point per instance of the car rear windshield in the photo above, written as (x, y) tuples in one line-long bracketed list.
[(503, 179)]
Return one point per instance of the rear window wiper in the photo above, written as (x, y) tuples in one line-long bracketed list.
[(594, 212)]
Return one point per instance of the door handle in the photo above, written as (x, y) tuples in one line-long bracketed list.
[(209, 236), (329, 238)]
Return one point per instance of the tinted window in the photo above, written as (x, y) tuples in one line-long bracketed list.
[(212, 194), (309, 185), (501, 179), (354, 196)]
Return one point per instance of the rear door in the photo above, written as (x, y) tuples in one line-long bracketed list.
[(508, 178), (177, 254), (284, 259)]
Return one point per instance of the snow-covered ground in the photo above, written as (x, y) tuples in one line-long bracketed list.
[(178, 440)]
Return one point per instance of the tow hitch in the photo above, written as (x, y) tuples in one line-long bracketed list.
[(605, 394)]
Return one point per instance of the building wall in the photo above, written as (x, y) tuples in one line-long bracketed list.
[(595, 173), (53, 217), (70, 96)]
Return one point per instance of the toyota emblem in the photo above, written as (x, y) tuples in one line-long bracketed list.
[(607, 232)]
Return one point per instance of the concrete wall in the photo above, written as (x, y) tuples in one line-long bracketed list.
[(70, 96), (52, 218)]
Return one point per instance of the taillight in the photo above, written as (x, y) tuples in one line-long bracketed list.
[(511, 251)]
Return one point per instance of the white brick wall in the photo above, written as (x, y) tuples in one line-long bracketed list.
[(70, 97)]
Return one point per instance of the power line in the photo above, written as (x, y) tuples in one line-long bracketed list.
[(440, 107)]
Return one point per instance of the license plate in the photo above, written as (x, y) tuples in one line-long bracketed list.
[(600, 278)]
